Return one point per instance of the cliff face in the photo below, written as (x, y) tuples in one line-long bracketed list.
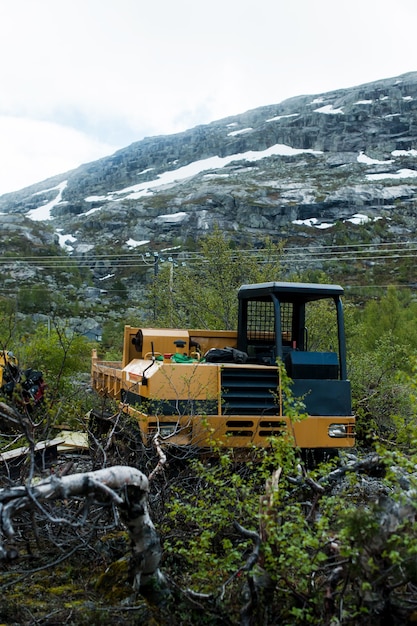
[(323, 157), (299, 170)]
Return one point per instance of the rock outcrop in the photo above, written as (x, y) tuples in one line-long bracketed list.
[(299, 170)]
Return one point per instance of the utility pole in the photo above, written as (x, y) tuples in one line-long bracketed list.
[(156, 264), (155, 275)]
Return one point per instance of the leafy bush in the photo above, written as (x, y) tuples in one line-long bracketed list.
[(203, 293)]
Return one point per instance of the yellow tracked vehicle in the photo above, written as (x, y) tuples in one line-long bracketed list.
[(197, 387), (9, 370), (27, 386)]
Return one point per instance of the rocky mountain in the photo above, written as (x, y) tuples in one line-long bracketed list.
[(313, 170)]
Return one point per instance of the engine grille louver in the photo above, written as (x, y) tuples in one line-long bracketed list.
[(249, 391)]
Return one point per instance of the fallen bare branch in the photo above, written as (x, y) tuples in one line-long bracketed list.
[(162, 458), (126, 487)]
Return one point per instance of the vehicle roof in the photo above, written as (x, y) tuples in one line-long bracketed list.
[(287, 290)]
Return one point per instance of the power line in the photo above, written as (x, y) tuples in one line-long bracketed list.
[(191, 254), (338, 253)]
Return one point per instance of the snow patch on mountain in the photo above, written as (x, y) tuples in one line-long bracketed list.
[(192, 169), (43, 213)]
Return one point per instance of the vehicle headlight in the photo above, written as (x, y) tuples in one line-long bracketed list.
[(164, 429), (167, 429), (338, 430)]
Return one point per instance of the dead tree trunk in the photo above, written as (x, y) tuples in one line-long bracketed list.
[(126, 487)]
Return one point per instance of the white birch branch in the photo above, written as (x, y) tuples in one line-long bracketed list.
[(125, 486)]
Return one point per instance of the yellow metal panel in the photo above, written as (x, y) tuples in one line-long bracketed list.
[(207, 339), (163, 341), (243, 431), (184, 381)]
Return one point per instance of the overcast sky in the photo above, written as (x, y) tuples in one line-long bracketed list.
[(81, 78)]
